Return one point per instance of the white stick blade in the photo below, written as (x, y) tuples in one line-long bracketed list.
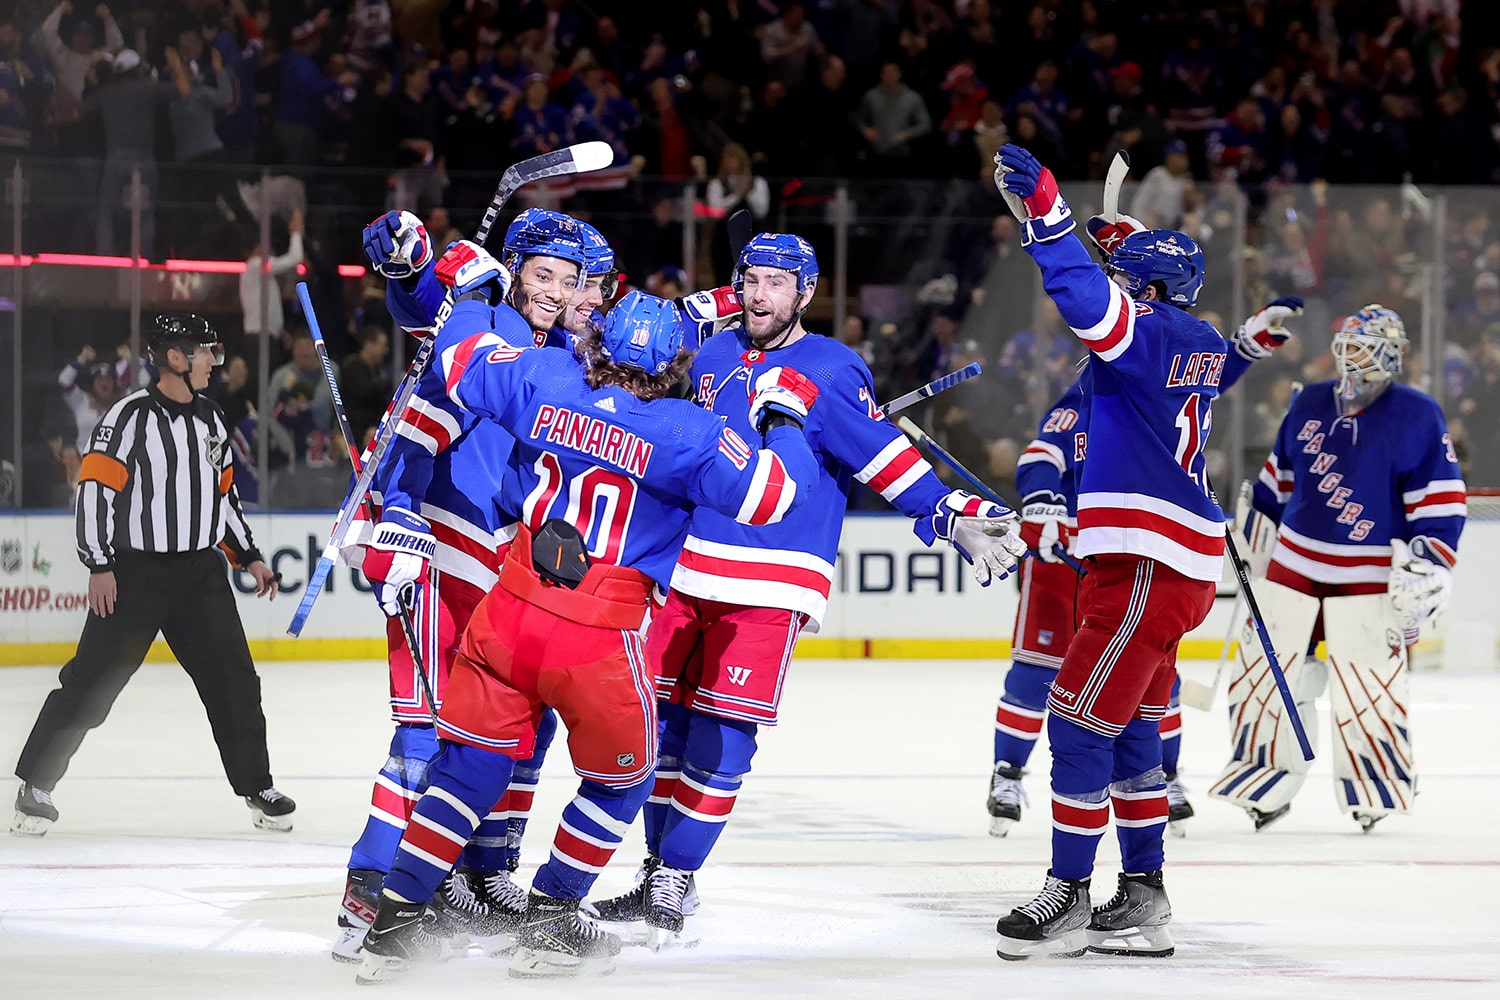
[(595, 155), (1195, 695)]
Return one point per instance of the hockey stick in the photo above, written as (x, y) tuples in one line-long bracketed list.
[(932, 388), (1201, 696), (584, 157), (1119, 169), (739, 227), (408, 629), (918, 434)]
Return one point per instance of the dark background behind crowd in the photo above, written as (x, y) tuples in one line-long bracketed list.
[(1299, 118)]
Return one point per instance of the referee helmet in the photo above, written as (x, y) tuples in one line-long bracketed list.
[(186, 332)]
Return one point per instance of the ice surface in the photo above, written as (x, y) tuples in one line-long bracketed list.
[(856, 863)]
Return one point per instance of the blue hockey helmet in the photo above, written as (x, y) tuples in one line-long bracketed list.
[(1163, 255), (779, 250), (538, 232), (643, 331), (599, 256)]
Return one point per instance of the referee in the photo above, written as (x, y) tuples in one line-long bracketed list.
[(155, 497)]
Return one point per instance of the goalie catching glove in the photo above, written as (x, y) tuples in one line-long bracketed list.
[(1421, 581), (397, 245), (1044, 525), (398, 556), (1262, 333), (1030, 190), (983, 533)]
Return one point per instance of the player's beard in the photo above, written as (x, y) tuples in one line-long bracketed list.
[(769, 332), (529, 306)]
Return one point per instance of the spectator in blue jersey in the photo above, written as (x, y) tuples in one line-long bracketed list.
[(1044, 102), (602, 113), (301, 94), (239, 124), (541, 126), (450, 81), (502, 73), (1041, 356), (1240, 142)]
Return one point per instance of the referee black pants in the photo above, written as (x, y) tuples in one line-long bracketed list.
[(186, 598)]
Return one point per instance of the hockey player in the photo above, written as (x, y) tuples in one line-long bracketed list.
[(602, 479), (598, 285), (1153, 541), (1358, 511), (440, 531), (1046, 617), (741, 594)]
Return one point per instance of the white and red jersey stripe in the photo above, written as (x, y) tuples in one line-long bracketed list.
[(894, 469), (1439, 498), (754, 577), (1088, 819), (1277, 480), (1114, 332), (1140, 809), (1043, 451), (428, 425), (1153, 527), (771, 491), (702, 802), (1331, 562)]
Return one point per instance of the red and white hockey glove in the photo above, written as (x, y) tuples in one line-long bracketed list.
[(1421, 580), (1260, 335), (1108, 235), (468, 267), (782, 395), (1044, 525), (398, 556), (1031, 192), (983, 532), (397, 245), (707, 312)]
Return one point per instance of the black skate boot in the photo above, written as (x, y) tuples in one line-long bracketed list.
[(465, 916), (1007, 795), (402, 933), (629, 906), (1134, 922), (1179, 809), (671, 897), (357, 912), (556, 943), (1265, 819), (270, 810), (1053, 925), (34, 812)]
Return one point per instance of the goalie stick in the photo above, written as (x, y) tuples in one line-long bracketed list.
[(582, 158), (918, 434), (408, 629)]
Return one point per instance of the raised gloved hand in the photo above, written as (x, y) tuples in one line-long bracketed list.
[(1108, 235), (468, 267), (782, 395), (1031, 192), (707, 312), (1420, 583), (397, 245), (1262, 333), (397, 556), (1044, 524), (983, 532)]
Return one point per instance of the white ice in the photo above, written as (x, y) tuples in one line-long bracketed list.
[(856, 863)]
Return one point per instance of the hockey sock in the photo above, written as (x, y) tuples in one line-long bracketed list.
[(462, 783), (397, 788), (1171, 731), (717, 758), (1081, 763), (673, 729), (496, 844), (591, 829), (1139, 791), (1020, 712)]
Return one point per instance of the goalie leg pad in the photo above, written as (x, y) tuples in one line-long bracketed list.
[(1373, 770), (1267, 768)]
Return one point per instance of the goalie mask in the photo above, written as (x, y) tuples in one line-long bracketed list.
[(1367, 353)]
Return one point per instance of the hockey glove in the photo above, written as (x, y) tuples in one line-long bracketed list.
[(706, 313), (1107, 235), (782, 395), (397, 245), (1421, 580), (398, 556), (1044, 525), (1031, 192), (983, 533), (468, 267), (1263, 333)]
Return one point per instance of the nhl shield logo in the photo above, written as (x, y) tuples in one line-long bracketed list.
[(215, 451), (625, 759), (10, 555)]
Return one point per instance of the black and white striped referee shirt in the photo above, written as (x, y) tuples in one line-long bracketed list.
[(159, 477)]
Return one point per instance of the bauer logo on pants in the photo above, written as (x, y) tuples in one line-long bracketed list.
[(625, 759)]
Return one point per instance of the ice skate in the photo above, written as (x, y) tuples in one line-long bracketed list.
[(1265, 819), (357, 912), (1007, 795), (555, 942), (1053, 925), (1134, 922), (625, 915), (403, 933), (467, 913), (667, 893), (1179, 809), (270, 810), (1367, 820), (35, 812)]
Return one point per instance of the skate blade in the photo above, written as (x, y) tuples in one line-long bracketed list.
[(377, 970), (662, 939), (30, 826), (1178, 828), (1000, 825), (495, 945), (1133, 942), (277, 824), (632, 934), (529, 963), (1263, 820), (349, 948), (1069, 945)]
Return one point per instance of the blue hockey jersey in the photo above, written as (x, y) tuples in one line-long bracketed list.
[(626, 473), (790, 565), (1342, 487), (1154, 371)]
